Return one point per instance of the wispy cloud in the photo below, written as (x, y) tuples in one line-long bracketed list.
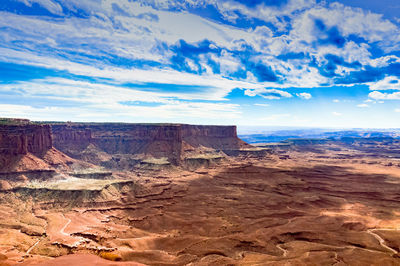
[(171, 54), (304, 95), (152, 35), (270, 94)]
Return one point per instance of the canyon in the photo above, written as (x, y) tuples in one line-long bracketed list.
[(176, 194)]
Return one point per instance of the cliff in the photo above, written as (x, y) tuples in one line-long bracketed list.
[(222, 138), (27, 148), (25, 138), (161, 140), (156, 140)]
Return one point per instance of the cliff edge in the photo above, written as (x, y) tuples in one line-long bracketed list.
[(171, 141), (27, 147), (20, 137)]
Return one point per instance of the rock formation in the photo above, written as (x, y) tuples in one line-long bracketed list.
[(21, 139), (222, 138), (157, 140), (27, 148)]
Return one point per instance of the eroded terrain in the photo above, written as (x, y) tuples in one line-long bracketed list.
[(301, 206)]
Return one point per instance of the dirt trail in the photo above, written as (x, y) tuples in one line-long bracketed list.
[(283, 250), (32, 247), (65, 226), (380, 239)]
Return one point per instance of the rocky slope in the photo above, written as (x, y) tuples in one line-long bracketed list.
[(27, 153)]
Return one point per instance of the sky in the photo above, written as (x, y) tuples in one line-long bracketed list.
[(304, 63)]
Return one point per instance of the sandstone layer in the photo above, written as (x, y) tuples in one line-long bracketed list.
[(21, 139), (27, 153), (171, 141)]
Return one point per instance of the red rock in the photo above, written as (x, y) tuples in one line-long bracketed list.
[(84, 260), (157, 140), (21, 139), (4, 185)]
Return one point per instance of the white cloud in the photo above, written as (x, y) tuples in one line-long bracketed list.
[(337, 113), (384, 61), (261, 104), (51, 6), (174, 111), (377, 95), (216, 87), (136, 32), (270, 94), (106, 32), (367, 25), (363, 105), (83, 92), (304, 95), (397, 110), (116, 102), (132, 34), (266, 13), (388, 83)]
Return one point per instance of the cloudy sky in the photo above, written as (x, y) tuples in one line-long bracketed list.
[(255, 62)]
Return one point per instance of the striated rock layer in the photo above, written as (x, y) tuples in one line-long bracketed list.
[(21, 139), (157, 140), (27, 152)]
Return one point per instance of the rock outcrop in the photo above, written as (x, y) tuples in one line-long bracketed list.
[(24, 138), (156, 140), (161, 140), (27, 148), (222, 138)]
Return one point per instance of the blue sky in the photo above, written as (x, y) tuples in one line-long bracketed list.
[(258, 62)]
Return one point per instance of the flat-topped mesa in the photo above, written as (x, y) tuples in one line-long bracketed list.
[(157, 140), (217, 137), (23, 138)]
